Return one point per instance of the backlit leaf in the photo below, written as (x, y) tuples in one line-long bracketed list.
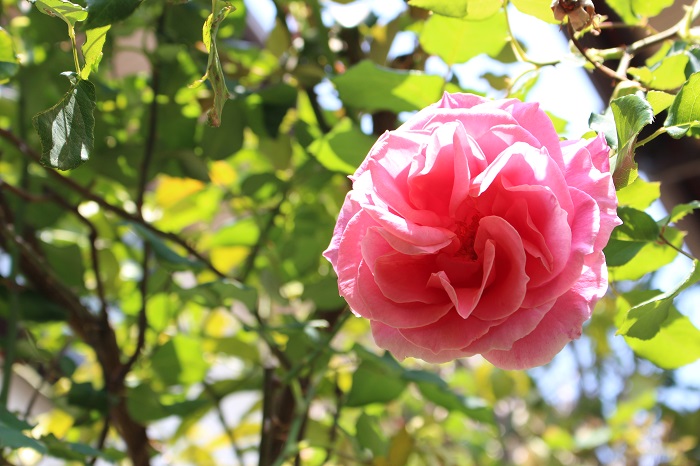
[(180, 361), (458, 40), (639, 194), (69, 12), (537, 8), (66, 129), (92, 49), (632, 113), (669, 74), (684, 114), (472, 9), (367, 86), (644, 320), (9, 65), (343, 149), (677, 342), (659, 100)]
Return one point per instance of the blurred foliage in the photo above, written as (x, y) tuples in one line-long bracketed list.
[(166, 300)]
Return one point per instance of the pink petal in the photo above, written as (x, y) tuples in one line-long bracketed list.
[(377, 306), (405, 279), (508, 281), (391, 339), (451, 332), (560, 325)]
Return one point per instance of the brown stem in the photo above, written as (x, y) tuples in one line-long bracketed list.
[(86, 194), (600, 67), (88, 327)]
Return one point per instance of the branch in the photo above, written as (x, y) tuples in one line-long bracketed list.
[(222, 420), (100, 338), (88, 195), (93, 254), (602, 68), (143, 316)]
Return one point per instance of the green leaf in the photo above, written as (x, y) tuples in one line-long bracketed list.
[(224, 141), (92, 49), (143, 404), (669, 74), (85, 395), (684, 114), (644, 320), (458, 40), (631, 113), (180, 361), (634, 11), (165, 254), (472, 9), (370, 87), (105, 12), (647, 9), (454, 8), (376, 380), (660, 100), (215, 74), (14, 438), (677, 342), (9, 64), (242, 232), (66, 129), (34, 307), (604, 124), (11, 421), (639, 194), (636, 226), (221, 293), (369, 435), (650, 257), (537, 8), (626, 240), (436, 390), (343, 149), (69, 12), (679, 211)]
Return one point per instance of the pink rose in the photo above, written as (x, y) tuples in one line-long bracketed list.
[(473, 229)]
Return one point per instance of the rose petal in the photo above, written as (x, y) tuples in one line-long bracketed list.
[(377, 306), (391, 339), (508, 281), (451, 332), (561, 324)]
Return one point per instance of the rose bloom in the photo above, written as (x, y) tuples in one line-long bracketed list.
[(472, 229)]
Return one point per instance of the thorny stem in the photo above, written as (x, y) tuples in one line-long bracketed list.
[(651, 137)]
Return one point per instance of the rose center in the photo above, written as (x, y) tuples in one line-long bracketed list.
[(466, 233)]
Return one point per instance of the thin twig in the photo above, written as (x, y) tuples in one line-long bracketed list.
[(222, 420), (665, 241), (94, 253), (101, 441), (600, 67), (86, 194), (152, 135)]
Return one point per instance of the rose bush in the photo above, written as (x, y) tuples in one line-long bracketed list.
[(472, 229)]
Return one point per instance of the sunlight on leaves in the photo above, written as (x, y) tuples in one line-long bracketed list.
[(66, 129)]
